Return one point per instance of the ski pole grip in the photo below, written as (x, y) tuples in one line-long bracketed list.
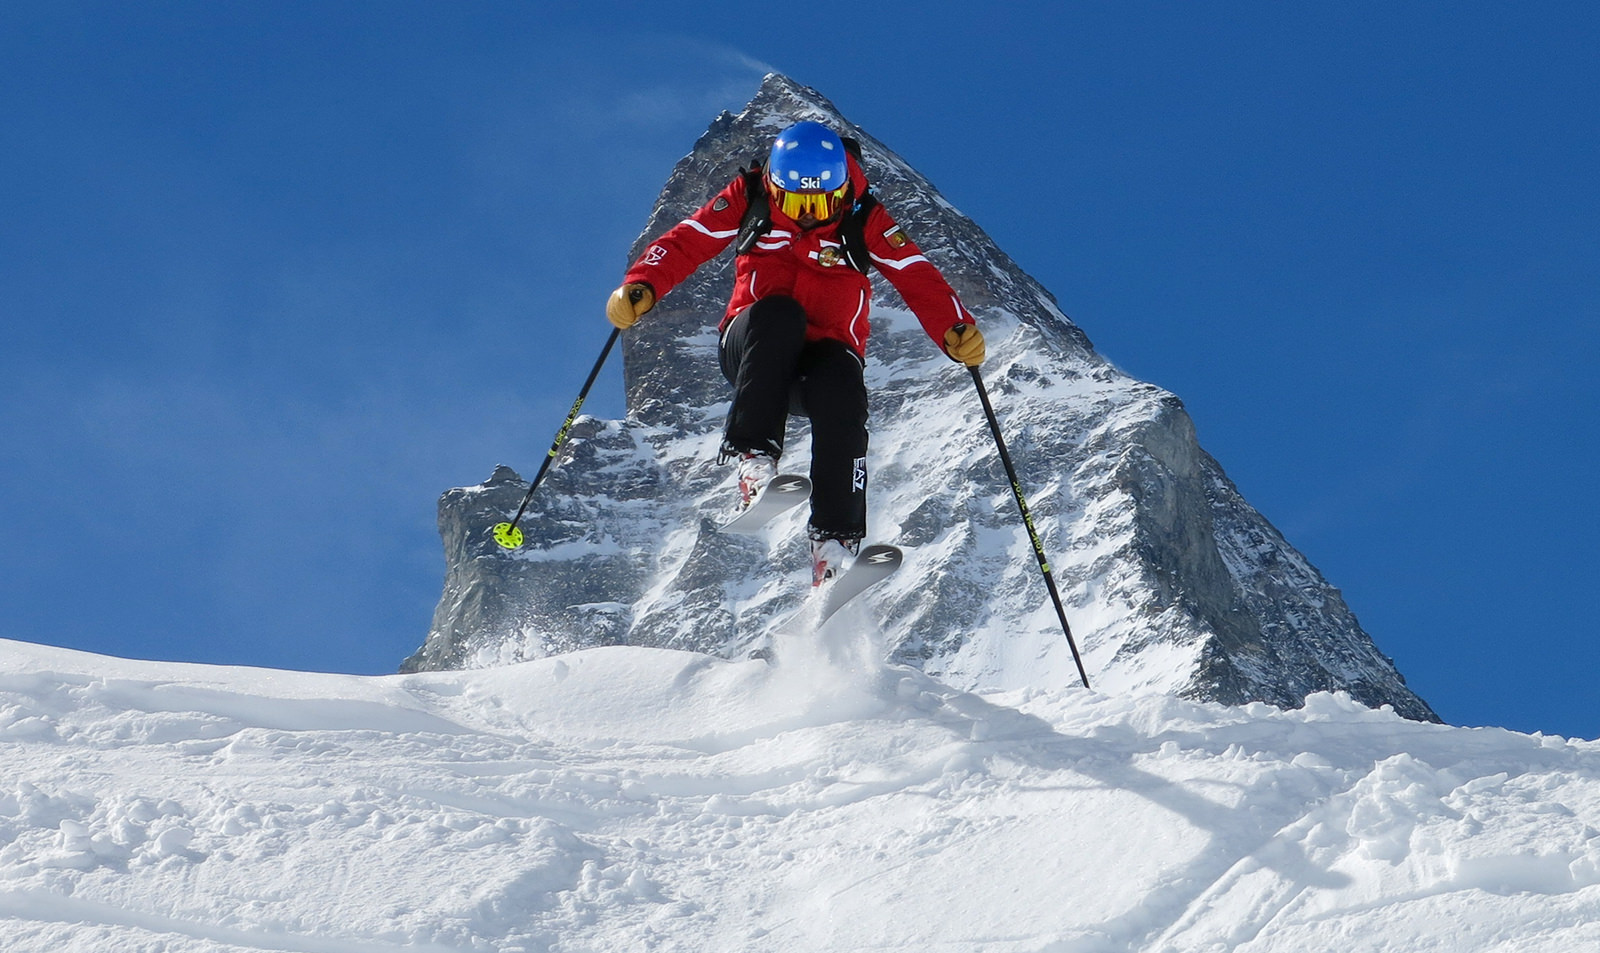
[(962, 349)]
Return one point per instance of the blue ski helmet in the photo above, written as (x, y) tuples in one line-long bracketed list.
[(807, 171)]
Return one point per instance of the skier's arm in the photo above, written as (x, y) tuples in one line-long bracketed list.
[(924, 289), (690, 243)]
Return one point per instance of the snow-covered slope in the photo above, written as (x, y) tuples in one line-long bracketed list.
[(625, 799), (1173, 582)]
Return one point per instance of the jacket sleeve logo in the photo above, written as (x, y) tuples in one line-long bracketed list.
[(654, 255)]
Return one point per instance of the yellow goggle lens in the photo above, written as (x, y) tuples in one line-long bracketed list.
[(821, 205)]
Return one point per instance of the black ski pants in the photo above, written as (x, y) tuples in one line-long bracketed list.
[(775, 371)]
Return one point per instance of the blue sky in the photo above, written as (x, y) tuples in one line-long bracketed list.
[(275, 275)]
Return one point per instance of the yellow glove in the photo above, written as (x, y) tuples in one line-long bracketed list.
[(964, 343), (628, 303)]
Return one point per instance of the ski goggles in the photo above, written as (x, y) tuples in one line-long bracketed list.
[(821, 205)]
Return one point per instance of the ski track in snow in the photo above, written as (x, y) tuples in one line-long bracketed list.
[(645, 799)]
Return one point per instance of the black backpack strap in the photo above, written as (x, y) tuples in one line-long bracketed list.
[(757, 219), (853, 232), (853, 227)]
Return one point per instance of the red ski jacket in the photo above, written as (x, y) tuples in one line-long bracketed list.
[(809, 266)]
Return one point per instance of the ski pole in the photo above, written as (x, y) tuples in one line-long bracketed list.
[(507, 534), (1027, 520)]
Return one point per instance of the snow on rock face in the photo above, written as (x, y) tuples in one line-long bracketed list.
[(1173, 583), (623, 798)]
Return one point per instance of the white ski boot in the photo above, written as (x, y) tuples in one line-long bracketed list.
[(756, 470), (829, 556)]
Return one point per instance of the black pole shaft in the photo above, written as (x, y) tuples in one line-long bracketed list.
[(561, 435), (1027, 520)]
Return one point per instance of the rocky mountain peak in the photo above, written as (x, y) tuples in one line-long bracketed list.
[(1173, 582)]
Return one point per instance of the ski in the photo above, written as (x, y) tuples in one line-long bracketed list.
[(873, 565), (782, 493)]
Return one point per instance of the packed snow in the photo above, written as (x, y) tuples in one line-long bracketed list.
[(626, 799)]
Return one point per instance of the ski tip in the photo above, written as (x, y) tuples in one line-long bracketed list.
[(872, 565), (786, 484), (508, 536), (782, 493), (880, 554)]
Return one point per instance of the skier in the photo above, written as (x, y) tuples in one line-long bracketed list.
[(793, 339)]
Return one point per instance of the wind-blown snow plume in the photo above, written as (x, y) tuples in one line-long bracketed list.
[(1173, 582)]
